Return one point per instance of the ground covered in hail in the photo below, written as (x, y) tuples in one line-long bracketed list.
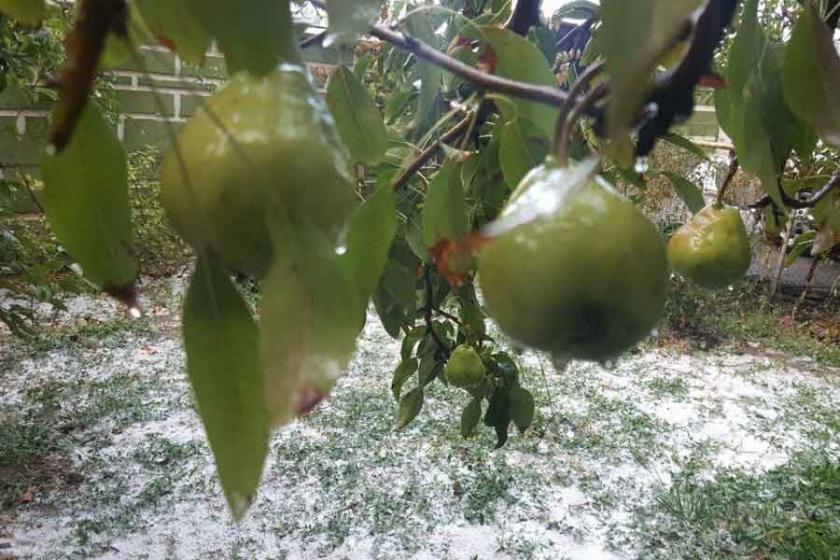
[(671, 453)]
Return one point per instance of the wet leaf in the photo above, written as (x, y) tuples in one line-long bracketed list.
[(409, 408), (350, 18), (86, 198), (403, 373), (470, 417), (357, 117), (221, 342), (309, 319), (521, 408), (812, 75)]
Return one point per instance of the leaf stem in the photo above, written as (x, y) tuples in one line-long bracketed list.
[(730, 174)]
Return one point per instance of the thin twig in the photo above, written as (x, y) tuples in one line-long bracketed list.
[(730, 174), (417, 163), (577, 88), (429, 308)]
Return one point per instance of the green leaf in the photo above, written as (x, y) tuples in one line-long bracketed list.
[(221, 341), (685, 144), (445, 209), (172, 22), (254, 34), (634, 36), (470, 417), (309, 320), (86, 198), (420, 26), (349, 18), (688, 192), (811, 75), (357, 117), (372, 230), (471, 313), (741, 106), (27, 12), (521, 60), (521, 408), (429, 369), (403, 372), (498, 415), (410, 406), (522, 147)]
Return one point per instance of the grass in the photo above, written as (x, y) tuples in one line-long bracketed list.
[(789, 512), (744, 315)]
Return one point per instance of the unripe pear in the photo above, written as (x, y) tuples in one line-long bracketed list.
[(712, 249), (464, 367)]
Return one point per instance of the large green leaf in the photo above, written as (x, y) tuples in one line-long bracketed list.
[(445, 209), (404, 371), (634, 36), (309, 318), (174, 25), (254, 34), (518, 59), (349, 18), (812, 75), (357, 117), (221, 341), (688, 192), (27, 12), (410, 406), (372, 230), (470, 417), (522, 146), (420, 27), (86, 198)]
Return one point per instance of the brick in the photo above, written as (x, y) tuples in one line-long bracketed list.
[(144, 102), (16, 149), (15, 98), (213, 67), (140, 133), (191, 104), (185, 84), (155, 62)]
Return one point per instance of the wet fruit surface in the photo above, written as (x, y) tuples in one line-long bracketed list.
[(587, 281), (263, 149), (464, 368), (712, 249)]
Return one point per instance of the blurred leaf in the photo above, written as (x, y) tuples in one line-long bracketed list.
[(445, 209), (357, 117), (86, 198), (471, 313), (685, 144), (688, 192), (350, 18), (372, 229), (174, 26), (812, 75), (221, 342), (403, 372), (409, 408), (27, 12), (309, 319), (634, 36), (521, 408), (470, 417), (522, 146), (254, 34)]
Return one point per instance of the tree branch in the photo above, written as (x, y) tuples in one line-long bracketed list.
[(417, 163), (482, 80)]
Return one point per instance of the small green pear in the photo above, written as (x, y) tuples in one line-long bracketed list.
[(464, 367), (712, 249)]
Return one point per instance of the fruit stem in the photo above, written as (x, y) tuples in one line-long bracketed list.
[(730, 174)]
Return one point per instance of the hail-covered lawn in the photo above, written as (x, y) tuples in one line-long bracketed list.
[(668, 454)]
